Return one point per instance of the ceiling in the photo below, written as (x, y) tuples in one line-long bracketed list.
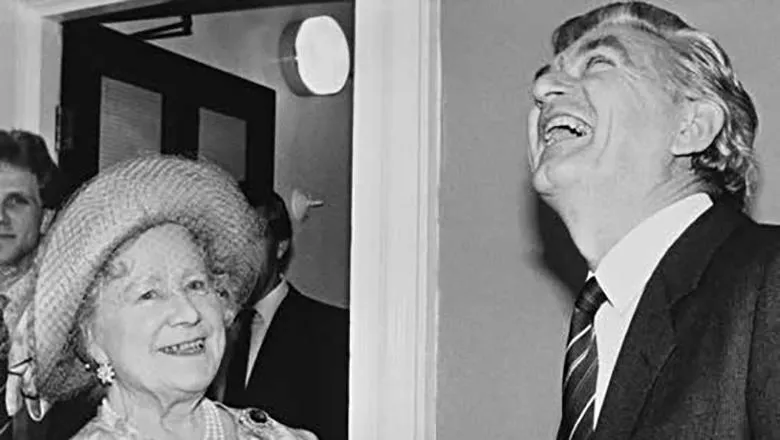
[(175, 8)]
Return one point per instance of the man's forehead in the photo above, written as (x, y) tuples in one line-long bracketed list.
[(619, 37), (12, 176), (622, 38)]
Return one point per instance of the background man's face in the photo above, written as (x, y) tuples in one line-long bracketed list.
[(20, 213), (270, 267), (603, 120)]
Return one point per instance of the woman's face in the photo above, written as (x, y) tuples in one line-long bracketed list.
[(158, 319)]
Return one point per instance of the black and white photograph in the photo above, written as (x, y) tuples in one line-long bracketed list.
[(389, 219)]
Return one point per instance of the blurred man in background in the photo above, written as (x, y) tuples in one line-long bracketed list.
[(30, 192), (288, 353)]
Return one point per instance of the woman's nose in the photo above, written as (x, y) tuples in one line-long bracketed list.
[(185, 311)]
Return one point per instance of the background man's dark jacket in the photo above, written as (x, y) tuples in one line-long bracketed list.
[(301, 374)]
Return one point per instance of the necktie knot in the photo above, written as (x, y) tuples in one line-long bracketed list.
[(591, 297), (245, 316)]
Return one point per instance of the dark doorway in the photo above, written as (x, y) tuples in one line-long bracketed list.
[(122, 97)]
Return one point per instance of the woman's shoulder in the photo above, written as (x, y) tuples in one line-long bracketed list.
[(251, 423), (94, 430)]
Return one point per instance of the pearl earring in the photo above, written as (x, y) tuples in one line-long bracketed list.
[(105, 373)]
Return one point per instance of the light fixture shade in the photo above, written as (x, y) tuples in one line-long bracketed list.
[(315, 56)]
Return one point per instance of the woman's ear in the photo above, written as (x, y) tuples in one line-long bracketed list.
[(702, 122), (91, 343)]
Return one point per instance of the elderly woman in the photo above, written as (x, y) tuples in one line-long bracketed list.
[(131, 293)]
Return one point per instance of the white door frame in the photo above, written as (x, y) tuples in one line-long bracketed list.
[(394, 257), (395, 175)]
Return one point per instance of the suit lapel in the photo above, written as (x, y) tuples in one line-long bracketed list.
[(273, 357), (651, 336), (648, 343)]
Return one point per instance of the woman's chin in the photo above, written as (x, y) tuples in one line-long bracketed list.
[(189, 374), (190, 383)]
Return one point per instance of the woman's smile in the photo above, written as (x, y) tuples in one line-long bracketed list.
[(189, 348)]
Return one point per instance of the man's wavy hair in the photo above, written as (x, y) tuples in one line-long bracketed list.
[(28, 151), (700, 69)]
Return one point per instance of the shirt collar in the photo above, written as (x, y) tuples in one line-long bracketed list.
[(267, 306), (626, 268)]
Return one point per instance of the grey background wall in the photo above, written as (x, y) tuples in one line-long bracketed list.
[(8, 29), (313, 134), (503, 315)]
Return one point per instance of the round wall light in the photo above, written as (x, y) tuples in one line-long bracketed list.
[(314, 56)]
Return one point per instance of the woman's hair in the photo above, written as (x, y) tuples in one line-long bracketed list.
[(699, 70)]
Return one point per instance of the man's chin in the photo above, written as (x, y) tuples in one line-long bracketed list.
[(9, 259), (555, 185), (543, 183)]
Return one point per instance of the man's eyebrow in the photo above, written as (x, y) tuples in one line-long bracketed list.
[(609, 41), (542, 70), (20, 194)]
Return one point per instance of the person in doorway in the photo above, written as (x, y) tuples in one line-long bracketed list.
[(132, 290), (28, 198), (641, 139), (289, 353), (30, 184)]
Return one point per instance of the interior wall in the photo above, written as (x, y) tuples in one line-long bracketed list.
[(29, 73), (503, 314), (313, 134), (10, 47)]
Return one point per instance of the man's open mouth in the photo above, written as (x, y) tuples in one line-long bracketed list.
[(561, 128)]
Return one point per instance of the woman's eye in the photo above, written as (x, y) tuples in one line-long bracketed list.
[(149, 294), (197, 285)]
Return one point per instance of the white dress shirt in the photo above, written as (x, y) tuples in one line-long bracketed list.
[(623, 273), (266, 309)]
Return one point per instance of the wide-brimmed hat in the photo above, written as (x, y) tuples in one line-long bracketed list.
[(120, 203)]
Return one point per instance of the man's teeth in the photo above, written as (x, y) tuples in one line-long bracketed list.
[(191, 347), (564, 127)]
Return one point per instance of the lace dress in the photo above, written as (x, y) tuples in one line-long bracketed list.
[(248, 424)]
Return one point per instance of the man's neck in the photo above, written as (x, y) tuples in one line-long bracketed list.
[(11, 270), (270, 285), (598, 225)]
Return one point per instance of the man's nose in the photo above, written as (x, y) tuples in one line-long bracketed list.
[(4, 217), (550, 86)]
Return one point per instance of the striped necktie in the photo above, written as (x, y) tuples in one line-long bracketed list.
[(581, 366)]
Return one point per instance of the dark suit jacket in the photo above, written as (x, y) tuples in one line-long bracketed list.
[(301, 373), (701, 359)]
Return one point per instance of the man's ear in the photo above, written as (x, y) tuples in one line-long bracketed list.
[(282, 247), (46, 219), (702, 121)]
